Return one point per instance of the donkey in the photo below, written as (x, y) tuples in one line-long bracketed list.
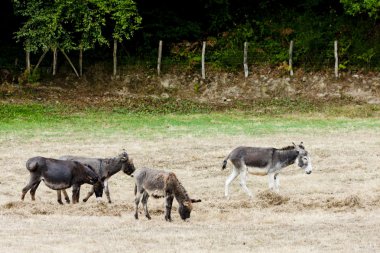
[(58, 175), (105, 168), (269, 161), (159, 183)]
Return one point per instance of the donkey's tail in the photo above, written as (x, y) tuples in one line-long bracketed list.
[(224, 165)]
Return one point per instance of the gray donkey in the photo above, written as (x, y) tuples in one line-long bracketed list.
[(105, 168), (269, 161), (58, 175), (159, 183)]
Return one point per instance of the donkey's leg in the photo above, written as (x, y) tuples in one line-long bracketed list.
[(76, 192), (138, 195), (66, 196), (271, 181), (277, 182), (144, 201), (33, 190), (243, 181), (34, 179), (107, 191), (59, 197), (89, 194), (231, 177), (168, 206)]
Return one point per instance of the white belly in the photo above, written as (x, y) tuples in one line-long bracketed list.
[(257, 171)]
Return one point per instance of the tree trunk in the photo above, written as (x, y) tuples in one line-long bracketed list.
[(81, 61), (114, 57), (27, 59), (54, 61), (40, 60), (71, 64)]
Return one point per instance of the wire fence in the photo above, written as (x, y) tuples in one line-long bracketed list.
[(203, 58)]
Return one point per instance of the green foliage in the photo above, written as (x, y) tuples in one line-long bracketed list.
[(355, 7), (268, 26), (85, 21), (124, 16), (43, 28), (74, 24)]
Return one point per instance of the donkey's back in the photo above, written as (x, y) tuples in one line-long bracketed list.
[(93, 162), (250, 156), (151, 179)]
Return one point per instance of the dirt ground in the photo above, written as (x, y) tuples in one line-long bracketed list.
[(334, 209)]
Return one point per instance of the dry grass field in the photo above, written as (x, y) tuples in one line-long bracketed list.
[(334, 209)]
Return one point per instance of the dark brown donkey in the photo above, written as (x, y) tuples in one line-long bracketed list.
[(105, 168), (59, 175), (159, 183)]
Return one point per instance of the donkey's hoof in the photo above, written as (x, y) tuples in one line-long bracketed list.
[(67, 201), (136, 216), (60, 202)]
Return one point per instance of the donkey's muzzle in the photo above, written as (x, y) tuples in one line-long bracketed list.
[(308, 172)]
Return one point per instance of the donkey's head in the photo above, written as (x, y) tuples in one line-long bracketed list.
[(94, 179), (127, 164), (303, 159), (186, 207)]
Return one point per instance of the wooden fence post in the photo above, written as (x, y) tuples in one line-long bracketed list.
[(336, 59), (291, 58), (114, 57), (245, 62), (203, 60), (159, 57)]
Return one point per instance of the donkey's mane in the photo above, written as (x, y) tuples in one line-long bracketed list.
[(180, 191), (112, 160), (287, 148)]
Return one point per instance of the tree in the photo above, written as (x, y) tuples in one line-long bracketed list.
[(124, 20), (354, 7), (86, 21), (74, 24), (42, 29)]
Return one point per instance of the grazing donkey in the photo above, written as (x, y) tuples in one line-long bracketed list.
[(58, 175), (105, 168), (159, 183), (269, 161)]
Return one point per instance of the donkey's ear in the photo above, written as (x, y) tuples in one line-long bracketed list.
[(195, 200), (294, 144)]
